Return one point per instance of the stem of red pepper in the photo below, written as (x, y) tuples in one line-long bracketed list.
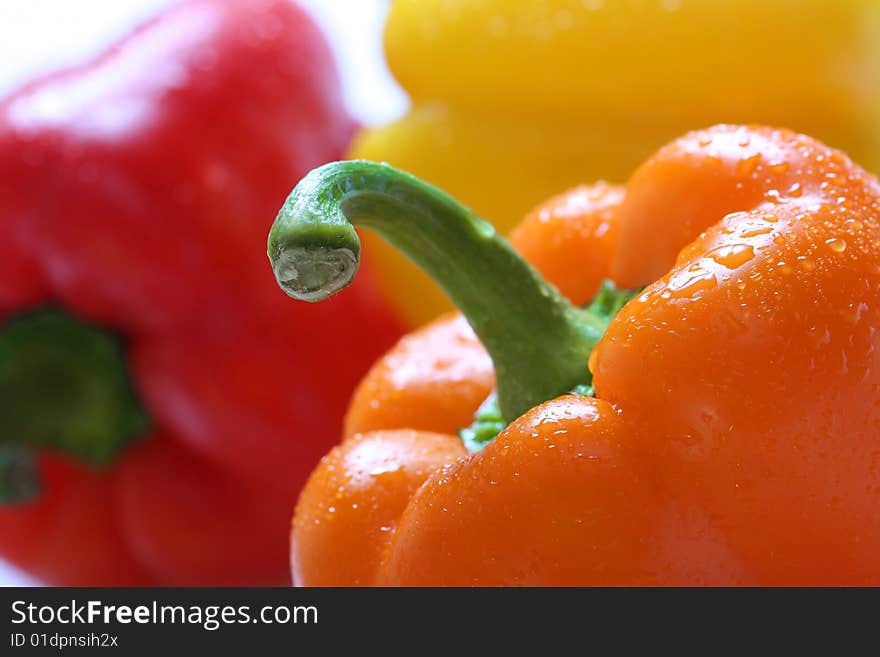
[(64, 386), (538, 341)]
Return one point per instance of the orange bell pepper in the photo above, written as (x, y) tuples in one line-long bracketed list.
[(734, 429)]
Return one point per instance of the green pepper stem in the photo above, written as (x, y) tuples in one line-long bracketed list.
[(539, 343), (64, 387)]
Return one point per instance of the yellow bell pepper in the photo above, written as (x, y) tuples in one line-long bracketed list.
[(515, 100)]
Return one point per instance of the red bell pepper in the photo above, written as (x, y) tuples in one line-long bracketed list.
[(158, 413)]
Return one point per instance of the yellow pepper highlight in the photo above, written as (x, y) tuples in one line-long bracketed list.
[(515, 100)]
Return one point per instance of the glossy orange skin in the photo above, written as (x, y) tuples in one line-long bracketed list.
[(760, 377), (735, 438), (432, 380), (556, 236), (346, 516), (559, 498)]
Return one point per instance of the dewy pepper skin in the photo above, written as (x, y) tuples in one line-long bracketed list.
[(735, 427), (529, 98), (145, 406)]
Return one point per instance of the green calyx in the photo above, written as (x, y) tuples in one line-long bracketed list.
[(486, 426), (539, 343), (64, 387), (19, 477), (488, 422)]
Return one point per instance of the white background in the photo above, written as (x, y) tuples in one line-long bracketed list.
[(37, 36)]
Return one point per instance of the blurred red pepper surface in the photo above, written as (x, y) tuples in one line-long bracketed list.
[(135, 194)]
